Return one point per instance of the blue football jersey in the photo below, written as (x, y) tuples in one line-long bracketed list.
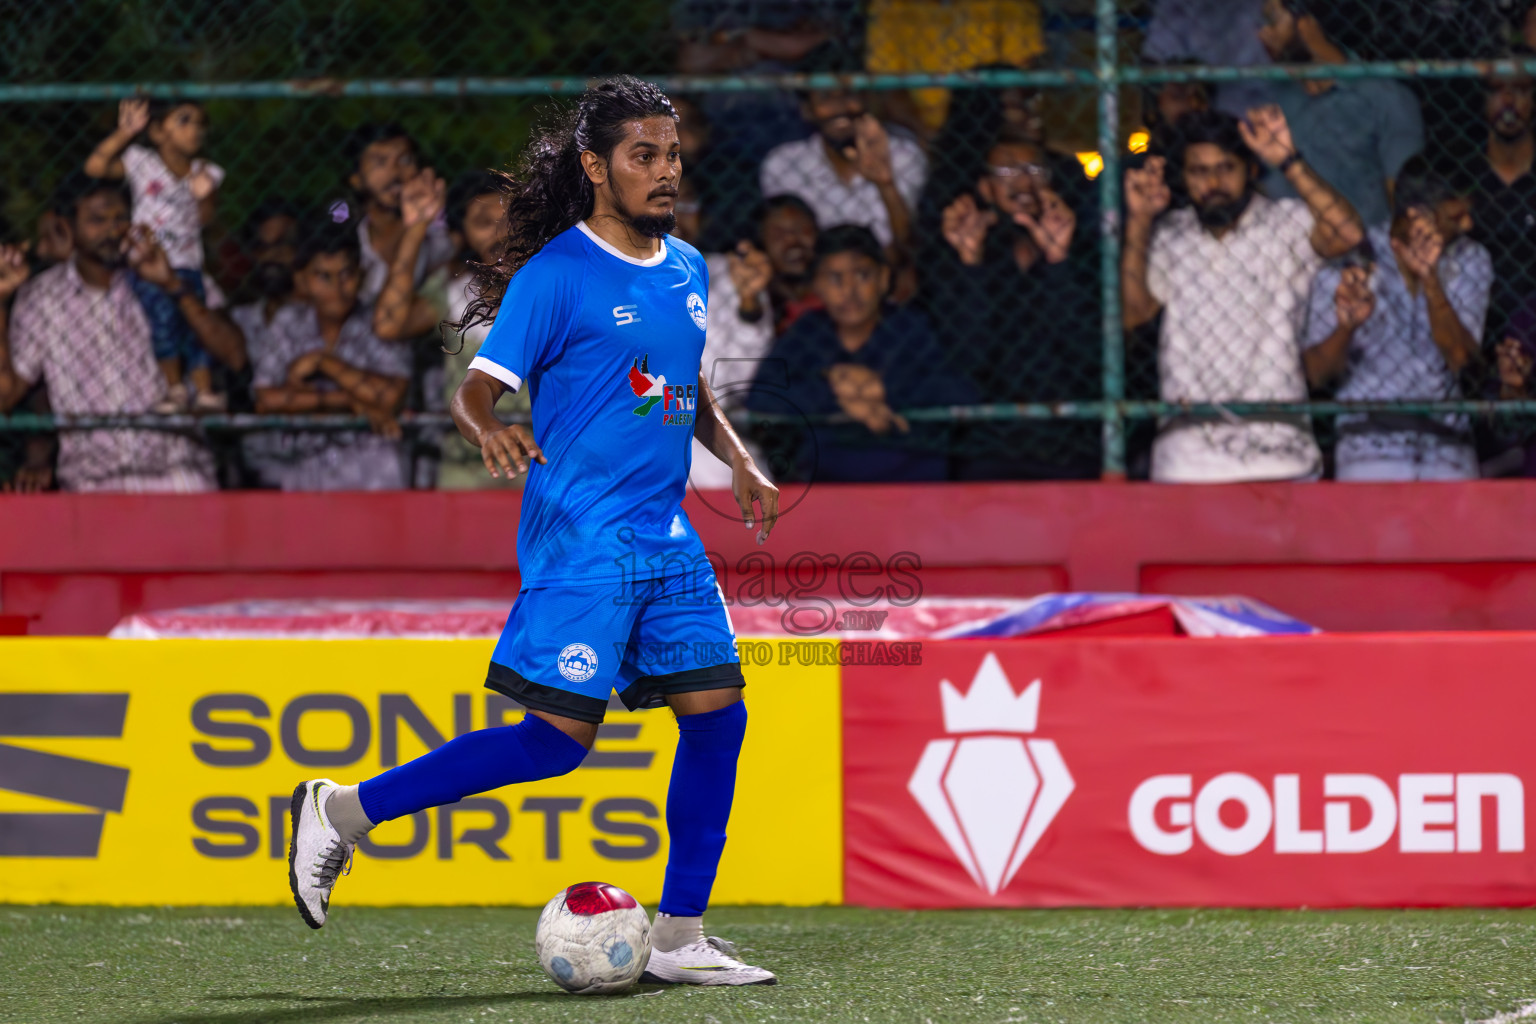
[(609, 348)]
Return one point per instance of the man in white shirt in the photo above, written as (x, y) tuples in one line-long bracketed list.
[(852, 171), (1230, 275)]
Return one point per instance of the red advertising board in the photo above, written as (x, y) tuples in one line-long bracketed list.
[(1386, 770)]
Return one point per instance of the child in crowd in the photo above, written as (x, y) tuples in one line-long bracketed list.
[(173, 195), (321, 356), (474, 219), (865, 359)]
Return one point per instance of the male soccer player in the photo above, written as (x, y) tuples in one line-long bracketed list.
[(602, 316)]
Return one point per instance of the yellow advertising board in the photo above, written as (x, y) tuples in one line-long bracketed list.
[(160, 772)]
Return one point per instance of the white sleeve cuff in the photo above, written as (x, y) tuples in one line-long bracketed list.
[(496, 370)]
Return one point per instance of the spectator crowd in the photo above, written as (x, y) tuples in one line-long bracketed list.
[(869, 255)]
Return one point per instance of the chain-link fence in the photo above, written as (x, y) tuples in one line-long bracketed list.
[(1090, 258)]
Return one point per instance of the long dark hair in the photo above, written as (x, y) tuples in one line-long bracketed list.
[(549, 192)]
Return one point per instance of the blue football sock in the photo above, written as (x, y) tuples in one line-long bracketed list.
[(699, 805), (473, 763)]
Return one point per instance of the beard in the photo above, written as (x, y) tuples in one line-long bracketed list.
[(1216, 216), (654, 225), (648, 225), (110, 255), (1509, 126), (273, 280)]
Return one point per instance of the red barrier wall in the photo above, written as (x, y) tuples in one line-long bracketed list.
[(1329, 771), (1346, 557)]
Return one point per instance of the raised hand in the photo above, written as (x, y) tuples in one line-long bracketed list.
[(750, 268), (1268, 134), (1054, 229), (147, 258), (1420, 254), (965, 227), (871, 151), (13, 268), (1514, 368), (422, 198), (132, 116), (1146, 190), (1353, 300)]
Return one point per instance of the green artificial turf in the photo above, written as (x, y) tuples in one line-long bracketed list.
[(246, 965)]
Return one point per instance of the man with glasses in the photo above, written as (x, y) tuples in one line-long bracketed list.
[(1015, 301)]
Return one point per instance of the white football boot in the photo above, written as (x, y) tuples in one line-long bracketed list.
[(316, 854), (708, 962)]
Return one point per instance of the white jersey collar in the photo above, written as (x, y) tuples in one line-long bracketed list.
[(661, 250)]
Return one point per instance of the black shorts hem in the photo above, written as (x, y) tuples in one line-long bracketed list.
[(549, 699), (652, 691)]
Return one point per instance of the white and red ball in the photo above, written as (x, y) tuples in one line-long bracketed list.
[(593, 937)]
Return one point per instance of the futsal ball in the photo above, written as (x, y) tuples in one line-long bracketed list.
[(593, 937)]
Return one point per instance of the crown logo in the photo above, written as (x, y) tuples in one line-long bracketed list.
[(990, 705)]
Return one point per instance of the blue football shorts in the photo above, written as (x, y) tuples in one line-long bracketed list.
[(564, 649)]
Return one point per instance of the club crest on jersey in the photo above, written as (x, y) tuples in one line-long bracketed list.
[(677, 401), (577, 662), (697, 310)]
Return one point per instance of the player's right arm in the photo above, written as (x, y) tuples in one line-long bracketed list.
[(535, 316), (509, 449)]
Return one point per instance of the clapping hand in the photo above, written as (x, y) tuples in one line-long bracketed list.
[(422, 198), (1420, 254), (200, 182), (1353, 300), (1054, 228), (1514, 368), (870, 151), (1268, 134), (13, 268), (750, 268), (132, 116), (147, 258), (1146, 191), (861, 393), (965, 226), (304, 367)]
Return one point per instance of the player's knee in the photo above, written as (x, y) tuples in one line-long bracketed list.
[(559, 752), (722, 727)]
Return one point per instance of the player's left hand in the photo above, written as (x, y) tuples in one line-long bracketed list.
[(512, 449), (751, 484)]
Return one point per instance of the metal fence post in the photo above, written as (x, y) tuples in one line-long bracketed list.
[(1109, 240)]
